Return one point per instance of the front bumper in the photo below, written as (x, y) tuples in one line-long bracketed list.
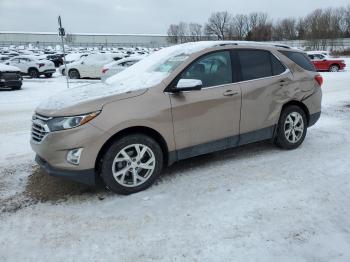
[(53, 149), (87, 176)]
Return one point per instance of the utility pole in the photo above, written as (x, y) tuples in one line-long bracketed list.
[(62, 33)]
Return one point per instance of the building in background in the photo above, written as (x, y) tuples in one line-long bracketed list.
[(44, 39)]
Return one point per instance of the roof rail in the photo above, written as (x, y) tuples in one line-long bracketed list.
[(225, 43)]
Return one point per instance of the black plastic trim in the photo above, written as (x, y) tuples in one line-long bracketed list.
[(222, 144), (314, 118), (86, 177)]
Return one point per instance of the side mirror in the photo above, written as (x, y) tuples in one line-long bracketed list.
[(188, 85), (82, 62)]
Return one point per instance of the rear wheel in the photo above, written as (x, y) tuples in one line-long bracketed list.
[(334, 68), (63, 72), (48, 75), (132, 164), (292, 127), (33, 73), (73, 74)]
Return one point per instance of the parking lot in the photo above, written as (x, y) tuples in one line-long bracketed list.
[(205, 207)]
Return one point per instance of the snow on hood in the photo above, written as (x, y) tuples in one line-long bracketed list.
[(142, 75), (7, 68)]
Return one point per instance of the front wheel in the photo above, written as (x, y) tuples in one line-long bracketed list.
[(132, 164), (292, 127)]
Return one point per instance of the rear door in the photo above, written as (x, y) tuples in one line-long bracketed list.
[(264, 81), (207, 120)]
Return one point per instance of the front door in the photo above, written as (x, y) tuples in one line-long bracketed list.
[(207, 120)]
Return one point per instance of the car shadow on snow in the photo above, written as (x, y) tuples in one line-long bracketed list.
[(44, 188)]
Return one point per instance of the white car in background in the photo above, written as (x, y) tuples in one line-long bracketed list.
[(91, 66), (117, 66), (32, 66), (71, 58)]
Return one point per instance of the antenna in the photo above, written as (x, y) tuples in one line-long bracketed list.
[(62, 33)]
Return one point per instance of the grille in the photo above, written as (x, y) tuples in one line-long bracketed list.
[(39, 128)]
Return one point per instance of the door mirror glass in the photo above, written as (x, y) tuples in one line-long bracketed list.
[(189, 84)]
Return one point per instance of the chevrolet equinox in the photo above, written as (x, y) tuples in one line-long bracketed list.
[(179, 102)]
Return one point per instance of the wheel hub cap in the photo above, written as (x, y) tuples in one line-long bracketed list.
[(294, 127), (133, 165)]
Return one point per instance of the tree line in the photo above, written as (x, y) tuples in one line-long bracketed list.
[(328, 24)]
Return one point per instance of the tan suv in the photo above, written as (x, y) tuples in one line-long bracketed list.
[(180, 102)]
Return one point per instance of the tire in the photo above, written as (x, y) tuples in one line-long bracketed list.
[(48, 75), (73, 74), (121, 162), (33, 73), (334, 68), (17, 87), (292, 119), (63, 72)]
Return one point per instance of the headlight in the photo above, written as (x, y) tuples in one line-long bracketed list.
[(62, 123)]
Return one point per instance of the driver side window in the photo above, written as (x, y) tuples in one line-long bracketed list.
[(213, 69)]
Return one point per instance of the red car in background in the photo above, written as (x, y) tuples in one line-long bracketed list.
[(323, 63)]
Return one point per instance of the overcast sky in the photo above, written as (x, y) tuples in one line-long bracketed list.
[(136, 16)]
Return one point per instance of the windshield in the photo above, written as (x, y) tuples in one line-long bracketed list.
[(153, 69)]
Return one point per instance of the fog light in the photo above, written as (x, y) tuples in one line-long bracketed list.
[(73, 156)]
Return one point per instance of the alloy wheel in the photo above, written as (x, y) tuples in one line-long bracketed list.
[(294, 127), (133, 165)]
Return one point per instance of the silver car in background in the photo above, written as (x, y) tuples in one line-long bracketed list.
[(116, 67)]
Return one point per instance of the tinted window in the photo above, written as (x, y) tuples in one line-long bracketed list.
[(300, 59), (212, 69), (277, 67), (255, 64)]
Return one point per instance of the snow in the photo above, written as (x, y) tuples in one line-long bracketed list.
[(8, 68), (254, 203), (142, 75)]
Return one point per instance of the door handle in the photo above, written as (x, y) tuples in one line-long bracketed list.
[(231, 93)]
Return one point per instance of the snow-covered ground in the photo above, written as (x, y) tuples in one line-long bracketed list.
[(254, 203)]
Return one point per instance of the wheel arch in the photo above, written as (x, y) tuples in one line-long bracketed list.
[(299, 104), (32, 68), (134, 130)]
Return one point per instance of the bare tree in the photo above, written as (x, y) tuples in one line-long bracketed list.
[(195, 32), (218, 24), (241, 26), (183, 32), (260, 28), (173, 34), (285, 29)]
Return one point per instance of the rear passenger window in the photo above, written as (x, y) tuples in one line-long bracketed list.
[(254, 64), (300, 59), (277, 67)]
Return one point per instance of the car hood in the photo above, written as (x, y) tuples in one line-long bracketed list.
[(84, 99)]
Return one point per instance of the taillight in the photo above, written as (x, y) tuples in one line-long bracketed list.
[(41, 65), (104, 70), (319, 80)]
